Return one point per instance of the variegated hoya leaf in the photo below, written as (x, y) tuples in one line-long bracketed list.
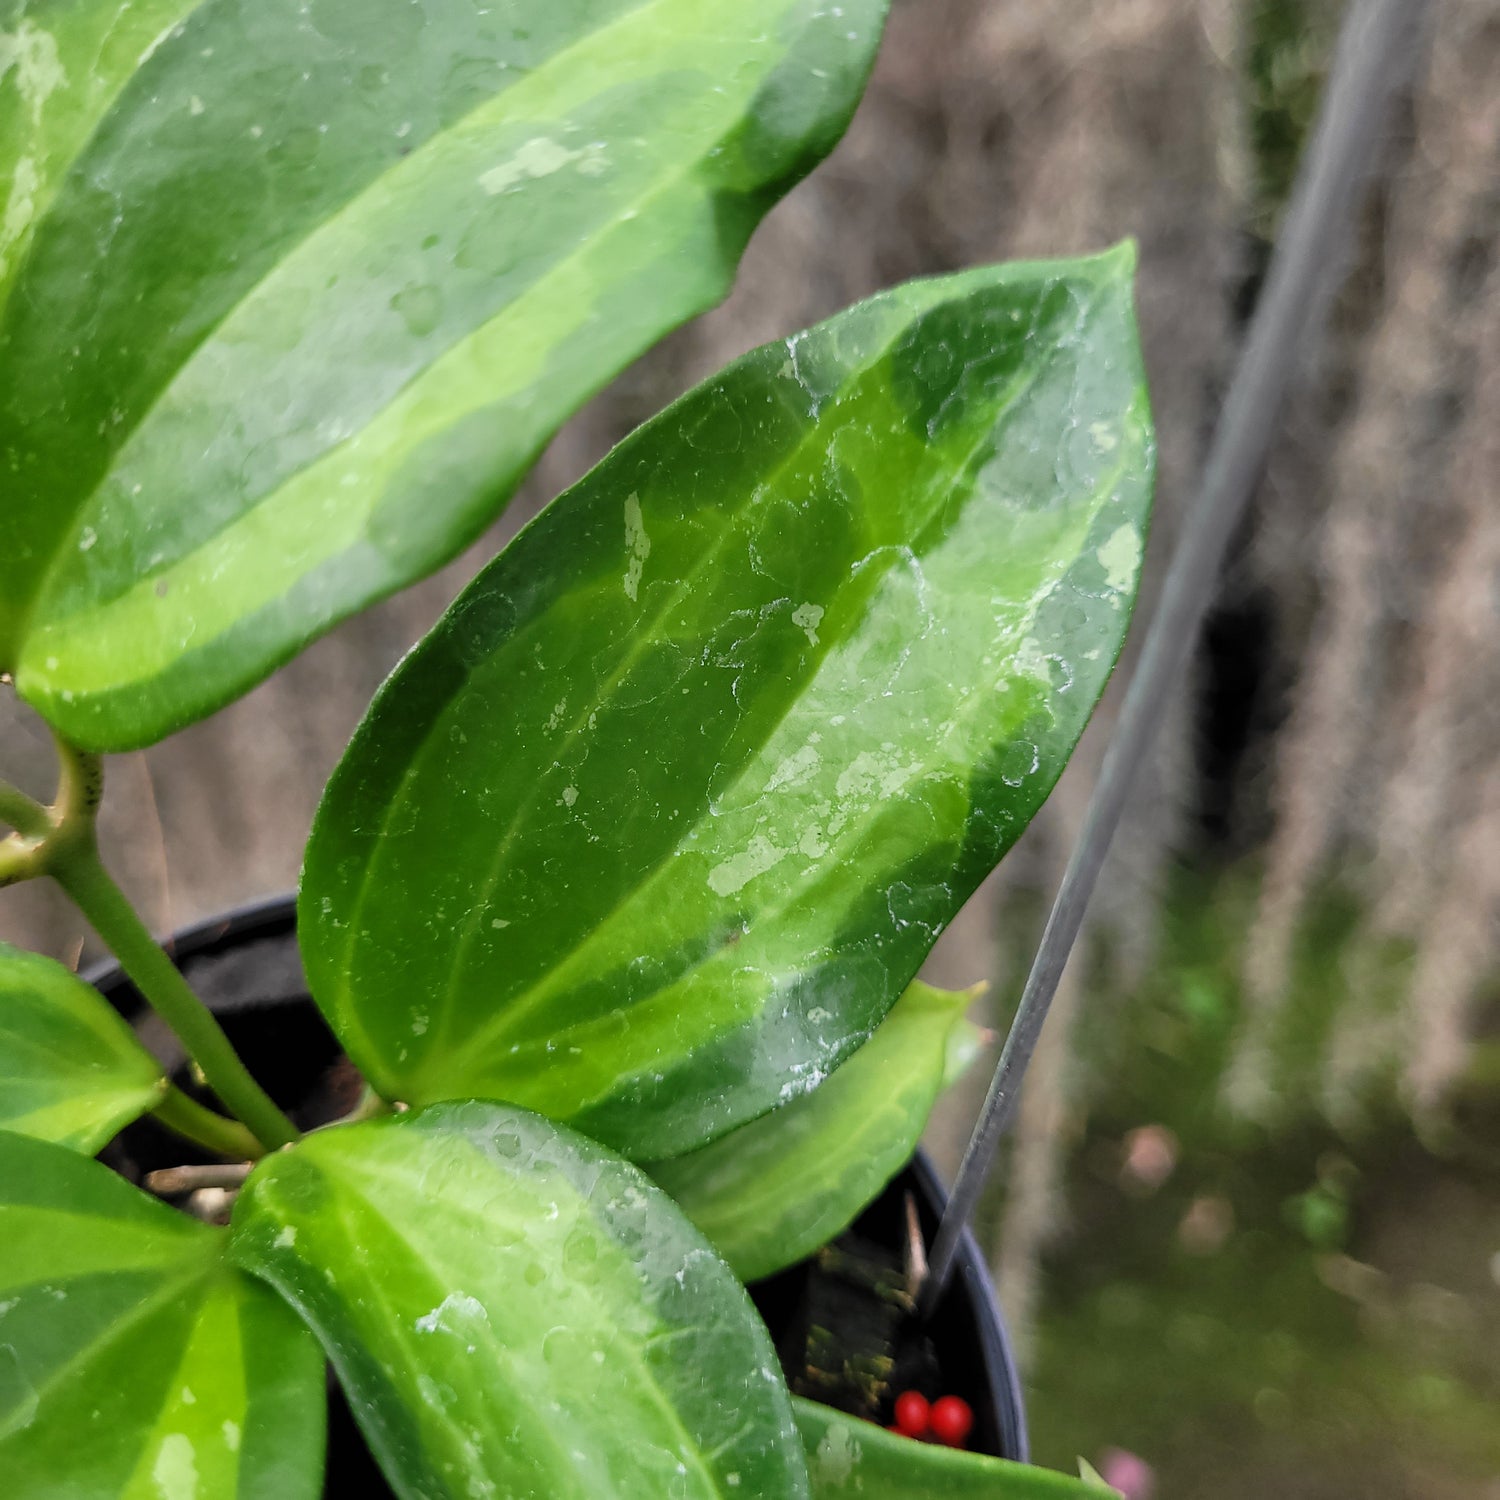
[(770, 1193), (514, 1312), (853, 1460), (135, 1363), (292, 292), (662, 817), (71, 1071)]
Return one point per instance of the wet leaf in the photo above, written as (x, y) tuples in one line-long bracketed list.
[(770, 1193), (349, 264), (514, 1311), (134, 1363), (663, 816), (71, 1070), (848, 1457)]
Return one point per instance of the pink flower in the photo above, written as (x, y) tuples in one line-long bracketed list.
[(1127, 1472)]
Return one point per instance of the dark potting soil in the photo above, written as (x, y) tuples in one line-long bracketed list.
[(841, 1321)]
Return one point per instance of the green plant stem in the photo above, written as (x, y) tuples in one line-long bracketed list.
[(370, 1107), (191, 1120), (22, 814), (81, 874)]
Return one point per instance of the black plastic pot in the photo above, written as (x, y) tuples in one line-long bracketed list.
[(246, 968)]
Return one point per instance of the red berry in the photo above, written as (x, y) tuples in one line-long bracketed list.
[(950, 1420), (911, 1414)]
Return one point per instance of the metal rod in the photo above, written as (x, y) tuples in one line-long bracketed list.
[(1376, 46)]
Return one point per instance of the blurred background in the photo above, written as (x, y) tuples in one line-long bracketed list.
[(1248, 1228)]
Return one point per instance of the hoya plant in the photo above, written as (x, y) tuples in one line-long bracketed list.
[(617, 898)]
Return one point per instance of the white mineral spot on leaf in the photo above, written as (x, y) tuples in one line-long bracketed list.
[(30, 54), (593, 160), (176, 1469), (231, 1431), (188, 1398), (795, 769), (812, 843), (637, 545), (836, 1456), (869, 778), (740, 869), (541, 156), (455, 1306), (419, 1025), (195, 105), (1121, 556), (287, 1238), (1106, 440), (555, 718), (807, 617), (498, 922), (20, 206), (569, 796), (1030, 660)]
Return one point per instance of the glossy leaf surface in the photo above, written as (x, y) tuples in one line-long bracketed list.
[(292, 293), (71, 1071), (515, 1312), (770, 1193), (663, 816), (853, 1460), (135, 1364)]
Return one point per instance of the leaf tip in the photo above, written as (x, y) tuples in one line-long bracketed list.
[(1120, 260), (1095, 1480)]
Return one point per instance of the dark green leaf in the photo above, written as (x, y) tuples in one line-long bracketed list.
[(854, 1459), (134, 1363), (659, 821), (71, 1071), (292, 293), (773, 1191), (517, 1313)]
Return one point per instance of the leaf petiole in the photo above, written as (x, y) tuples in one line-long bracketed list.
[(61, 841), (28, 818), (77, 868), (183, 1114)]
